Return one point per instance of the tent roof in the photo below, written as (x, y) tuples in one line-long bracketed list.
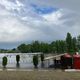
[(67, 55), (76, 55)]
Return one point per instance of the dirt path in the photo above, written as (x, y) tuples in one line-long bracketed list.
[(39, 75)]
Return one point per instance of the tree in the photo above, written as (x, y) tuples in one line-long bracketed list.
[(45, 47), (74, 43), (28, 48), (4, 61), (62, 46), (78, 42), (35, 61), (53, 47), (35, 46), (22, 48), (69, 43)]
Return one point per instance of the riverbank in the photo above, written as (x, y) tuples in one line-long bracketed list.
[(39, 75)]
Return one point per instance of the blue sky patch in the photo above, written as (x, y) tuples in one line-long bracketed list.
[(43, 10)]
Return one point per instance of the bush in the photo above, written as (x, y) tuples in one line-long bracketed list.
[(17, 58), (35, 60), (4, 61), (42, 57)]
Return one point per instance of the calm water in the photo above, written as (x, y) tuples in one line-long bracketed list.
[(25, 60)]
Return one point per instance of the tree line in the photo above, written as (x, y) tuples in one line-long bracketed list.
[(70, 45)]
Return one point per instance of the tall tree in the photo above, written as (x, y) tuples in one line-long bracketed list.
[(69, 43), (22, 48), (62, 46), (78, 42), (53, 47), (45, 47), (74, 41), (35, 46)]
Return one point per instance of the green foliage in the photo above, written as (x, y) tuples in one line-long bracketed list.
[(45, 47), (78, 42), (4, 61), (69, 42), (42, 57), (35, 60), (70, 45), (35, 46), (58, 46), (53, 47), (22, 48), (17, 58), (74, 44)]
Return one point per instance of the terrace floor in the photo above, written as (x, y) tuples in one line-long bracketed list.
[(39, 75)]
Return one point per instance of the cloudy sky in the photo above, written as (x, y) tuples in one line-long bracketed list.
[(44, 20)]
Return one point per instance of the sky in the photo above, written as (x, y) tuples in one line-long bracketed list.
[(24, 21)]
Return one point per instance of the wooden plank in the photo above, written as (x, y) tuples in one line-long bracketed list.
[(52, 57)]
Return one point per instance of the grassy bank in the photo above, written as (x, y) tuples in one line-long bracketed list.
[(39, 75)]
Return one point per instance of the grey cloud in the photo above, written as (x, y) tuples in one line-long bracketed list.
[(26, 25)]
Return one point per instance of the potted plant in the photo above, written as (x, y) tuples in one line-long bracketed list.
[(4, 61), (42, 60), (42, 57), (35, 61), (17, 58)]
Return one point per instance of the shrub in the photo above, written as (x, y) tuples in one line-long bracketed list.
[(4, 61), (35, 61), (17, 58), (42, 57), (42, 60)]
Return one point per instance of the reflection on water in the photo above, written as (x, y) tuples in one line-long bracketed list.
[(25, 60)]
